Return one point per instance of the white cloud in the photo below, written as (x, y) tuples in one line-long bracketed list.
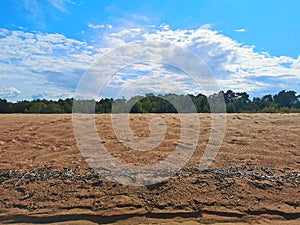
[(164, 26), (51, 64), (151, 77), (225, 55), (99, 26), (9, 92), (47, 61), (235, 65), (242, 30), (206, 26)]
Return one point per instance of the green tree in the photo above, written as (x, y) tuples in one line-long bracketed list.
[(285, 98), (3, 106)]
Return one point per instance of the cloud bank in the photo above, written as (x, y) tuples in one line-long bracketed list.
[(51, 65)]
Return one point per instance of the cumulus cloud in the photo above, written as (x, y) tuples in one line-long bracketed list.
[(51, 65), (234, 64), (148, 77), (43, 61)]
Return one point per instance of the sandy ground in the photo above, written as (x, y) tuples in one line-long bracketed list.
[(256, 143)]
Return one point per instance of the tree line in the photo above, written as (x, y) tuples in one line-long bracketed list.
[(235, 102)]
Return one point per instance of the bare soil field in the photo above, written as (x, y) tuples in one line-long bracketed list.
[(255, 178)]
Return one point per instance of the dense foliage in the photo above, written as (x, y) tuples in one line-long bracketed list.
[(284, 101)]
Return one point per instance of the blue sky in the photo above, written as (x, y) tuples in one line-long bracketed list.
[(48, 45)]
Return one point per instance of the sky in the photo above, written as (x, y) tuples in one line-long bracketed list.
[(48, 46)]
